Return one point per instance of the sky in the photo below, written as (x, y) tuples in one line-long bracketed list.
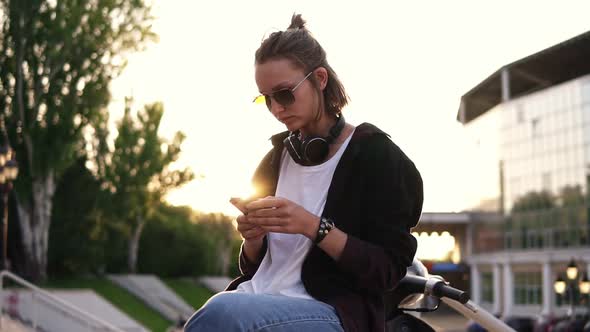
[(405, 66)]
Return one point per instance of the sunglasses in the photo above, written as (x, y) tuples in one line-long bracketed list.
[(284, 97)]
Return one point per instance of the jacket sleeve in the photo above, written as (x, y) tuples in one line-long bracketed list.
[(391, 205), (247, 267)]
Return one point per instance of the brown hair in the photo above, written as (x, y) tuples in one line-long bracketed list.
[(298, 45)]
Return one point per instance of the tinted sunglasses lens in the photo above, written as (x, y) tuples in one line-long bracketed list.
[(260, 99), (284, 97)]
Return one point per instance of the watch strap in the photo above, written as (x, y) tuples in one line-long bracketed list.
[(326, 225)]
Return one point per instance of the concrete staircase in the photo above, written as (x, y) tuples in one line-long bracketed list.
[(214, 283), (59, 310), (154, 293)]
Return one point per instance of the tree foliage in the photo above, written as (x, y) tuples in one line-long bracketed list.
[(571, 196), (136, 172), (57, 58), (78, 237), (56, 61), (534, 200), (191, 243)]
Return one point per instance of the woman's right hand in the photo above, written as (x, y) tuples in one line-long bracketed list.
[(249, 231)]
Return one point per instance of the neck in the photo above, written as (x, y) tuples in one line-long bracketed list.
[(319, 128)]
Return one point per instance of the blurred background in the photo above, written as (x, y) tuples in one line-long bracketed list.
[(126, 126)]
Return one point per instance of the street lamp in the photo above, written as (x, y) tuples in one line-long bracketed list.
[(560, 285), (572, 270), (585, 285), (572, 283), (8, 173)]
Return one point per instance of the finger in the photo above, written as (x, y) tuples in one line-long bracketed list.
[(268, 212), (256, 232), (243, 219), (277, 229), (265, 203), (268, 221), (245, 228)]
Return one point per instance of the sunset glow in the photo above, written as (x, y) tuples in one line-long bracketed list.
[(405, 66)]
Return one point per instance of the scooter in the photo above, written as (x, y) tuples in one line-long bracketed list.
[(420, 291)]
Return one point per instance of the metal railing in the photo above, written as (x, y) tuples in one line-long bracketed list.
[(92, 322)]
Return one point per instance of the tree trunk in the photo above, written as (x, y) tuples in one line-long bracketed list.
[(134, 245), (34, 219)]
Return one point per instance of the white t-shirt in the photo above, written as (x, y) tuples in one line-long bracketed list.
[(280, 271)]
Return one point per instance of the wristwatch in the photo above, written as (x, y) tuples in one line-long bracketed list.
[(326, 225)]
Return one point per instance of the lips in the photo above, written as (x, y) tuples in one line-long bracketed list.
[(286, 118)]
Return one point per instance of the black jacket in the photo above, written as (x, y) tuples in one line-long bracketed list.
[(375, 197)]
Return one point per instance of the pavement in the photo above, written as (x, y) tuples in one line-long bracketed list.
[(11, 325)]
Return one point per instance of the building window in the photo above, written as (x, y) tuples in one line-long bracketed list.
[(519, 113), (527, 288), (535, 127), (586, 91), (547, 183), (487, 287)]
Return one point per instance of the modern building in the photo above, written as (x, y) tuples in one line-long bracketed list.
[(536, 113)]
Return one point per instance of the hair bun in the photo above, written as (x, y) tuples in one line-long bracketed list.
[(297, 22)]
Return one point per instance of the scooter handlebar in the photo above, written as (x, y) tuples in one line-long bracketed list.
[(435, 286), (441, 289)]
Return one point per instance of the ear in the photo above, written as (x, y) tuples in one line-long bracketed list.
[(321, 76)]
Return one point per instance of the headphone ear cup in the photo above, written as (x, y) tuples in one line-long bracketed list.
[(315, 150), (293, 146)]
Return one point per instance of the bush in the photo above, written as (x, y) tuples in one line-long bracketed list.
[(178, 242)]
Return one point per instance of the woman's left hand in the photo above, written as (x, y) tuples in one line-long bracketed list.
[(280, 215)]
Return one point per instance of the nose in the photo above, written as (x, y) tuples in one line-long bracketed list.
[(276, 108)]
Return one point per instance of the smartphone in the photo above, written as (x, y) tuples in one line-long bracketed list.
[(241, 203)]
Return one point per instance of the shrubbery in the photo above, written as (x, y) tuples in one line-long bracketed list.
[(176, 241)]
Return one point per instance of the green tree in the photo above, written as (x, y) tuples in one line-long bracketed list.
[(571, 196), (77, 238), (222, 237), (137, 173), (56, 61), (196, 244), (534, 200)]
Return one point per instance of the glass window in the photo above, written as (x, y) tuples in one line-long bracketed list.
[(586, 91), (487, 287), (527, 288), (586, 133), (586, 112), (519, 113), (547, 181)]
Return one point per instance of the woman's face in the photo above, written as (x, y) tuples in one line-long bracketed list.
[(278, 74)]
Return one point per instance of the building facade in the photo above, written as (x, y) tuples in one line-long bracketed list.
[(539, 108)]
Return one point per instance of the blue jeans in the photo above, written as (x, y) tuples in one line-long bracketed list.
[(238, 311)]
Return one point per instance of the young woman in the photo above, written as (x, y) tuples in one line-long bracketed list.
[(332, 232)]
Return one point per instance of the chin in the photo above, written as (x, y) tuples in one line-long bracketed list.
[(292, 126)]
